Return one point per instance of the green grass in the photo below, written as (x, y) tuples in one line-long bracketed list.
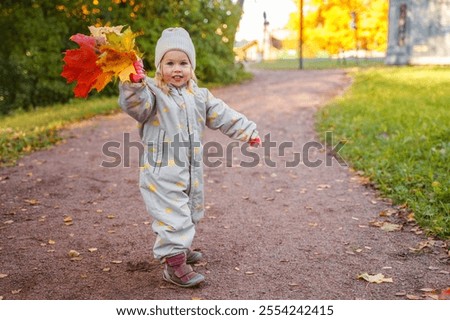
[(317, 64), (24, 132), (396, 122)]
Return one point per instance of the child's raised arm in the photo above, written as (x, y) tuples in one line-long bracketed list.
[(230, 122)]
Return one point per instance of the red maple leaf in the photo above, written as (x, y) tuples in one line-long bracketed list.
[(81, 65)]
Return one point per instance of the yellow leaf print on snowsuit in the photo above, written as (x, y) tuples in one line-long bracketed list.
[(171, 178)]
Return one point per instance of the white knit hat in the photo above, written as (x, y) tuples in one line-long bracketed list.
[(174, 39)]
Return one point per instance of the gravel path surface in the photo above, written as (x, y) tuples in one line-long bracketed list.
[(272, 231)]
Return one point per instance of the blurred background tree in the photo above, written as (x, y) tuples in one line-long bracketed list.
[(335, 26), (35, 33)]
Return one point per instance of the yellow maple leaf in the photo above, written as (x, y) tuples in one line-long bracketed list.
[(123, 41), (117, 63)]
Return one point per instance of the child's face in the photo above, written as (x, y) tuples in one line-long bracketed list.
[(176, 68)]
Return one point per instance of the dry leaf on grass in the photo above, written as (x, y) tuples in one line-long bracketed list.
[(376, 278)]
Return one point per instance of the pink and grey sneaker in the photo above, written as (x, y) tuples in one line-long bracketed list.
[(176, 271)]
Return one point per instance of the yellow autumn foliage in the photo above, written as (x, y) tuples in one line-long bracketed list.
[(330, 26)]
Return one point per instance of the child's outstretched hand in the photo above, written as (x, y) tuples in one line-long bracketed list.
[(255, 142), (140, 72)]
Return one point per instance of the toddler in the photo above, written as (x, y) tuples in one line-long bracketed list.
[(172, 113)]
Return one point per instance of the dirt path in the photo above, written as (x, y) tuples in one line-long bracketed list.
[(269, 233)]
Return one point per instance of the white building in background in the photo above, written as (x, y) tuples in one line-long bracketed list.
[(419, 32)]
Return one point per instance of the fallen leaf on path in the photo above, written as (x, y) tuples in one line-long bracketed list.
[(387, 212), (3, 275), (92, 249), (389, 227), (445, 294), (106, 269), (8, 222), (427, 290), (412, 297), (249, 273), (196, 298), (32, 202), (410, 217), (68, 221), (73, 254), (386, 226), (433, 268), (422, 245), (16, 291), (116, 261), (293, 284), (376, 278), (278, 190), (402, 293), (51, 241)]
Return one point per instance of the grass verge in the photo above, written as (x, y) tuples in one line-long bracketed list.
[(396, 122), (25, 132)]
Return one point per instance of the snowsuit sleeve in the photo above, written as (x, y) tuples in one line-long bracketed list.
[(230, 122), (137, 100)]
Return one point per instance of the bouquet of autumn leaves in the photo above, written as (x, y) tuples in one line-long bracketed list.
[(106, 54)]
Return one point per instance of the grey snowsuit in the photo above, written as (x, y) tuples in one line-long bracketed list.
[(171, 179)]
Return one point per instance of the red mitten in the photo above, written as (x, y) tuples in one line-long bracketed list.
[(255, 142), (140, 72)]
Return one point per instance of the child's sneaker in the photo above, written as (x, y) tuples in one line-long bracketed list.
[(176, 271)]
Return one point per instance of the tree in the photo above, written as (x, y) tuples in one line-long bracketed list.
[(339, 25), (37, 32)]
